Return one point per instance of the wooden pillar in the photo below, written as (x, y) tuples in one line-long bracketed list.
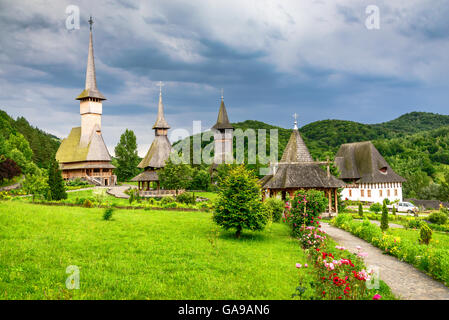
[(336, 200), (329, 195)]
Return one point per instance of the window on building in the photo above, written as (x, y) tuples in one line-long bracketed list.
[(362, 193), (350, 192), (380, 193), (388, 192), (395, 192), (369, 193)]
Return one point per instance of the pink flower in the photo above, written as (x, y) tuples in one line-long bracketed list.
[(358, 248), (298, 265), (363, 254), (305, 265), (377, 297)]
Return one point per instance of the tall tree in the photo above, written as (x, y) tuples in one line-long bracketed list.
[(126, 155), (175, 176), (55, 182)]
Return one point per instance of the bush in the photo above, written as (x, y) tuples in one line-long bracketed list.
[(275, 208), (384, 220), (88, 204), (166, 200), (107, 215), (438, 217), (414, 223), (186, 197), (360, 210), (305, 209), (393, 211), (375, 207), (425, 234), (239, 203), (169, 205)]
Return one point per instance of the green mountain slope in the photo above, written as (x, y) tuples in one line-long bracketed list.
[(44, 145)]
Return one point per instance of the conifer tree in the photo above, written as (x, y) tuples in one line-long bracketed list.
[(360, 209), (384, 219), (55, 182)]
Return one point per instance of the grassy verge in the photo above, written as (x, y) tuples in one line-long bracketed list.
[(139, 255)]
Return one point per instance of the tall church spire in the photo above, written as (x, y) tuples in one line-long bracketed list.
[(160, 121), (90, 88), (222, 119)]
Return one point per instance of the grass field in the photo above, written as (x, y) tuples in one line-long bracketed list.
[(139, 255)]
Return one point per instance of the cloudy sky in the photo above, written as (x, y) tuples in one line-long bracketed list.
[(273, 58)]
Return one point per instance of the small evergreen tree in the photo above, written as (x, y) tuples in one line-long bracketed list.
[(384, 219), (393, 210), (360, 210), (425, 234), (239, 203), (55, 182)]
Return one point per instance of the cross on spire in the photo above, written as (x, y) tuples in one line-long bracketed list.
[(160, 84), (91, 22), (296, 122)]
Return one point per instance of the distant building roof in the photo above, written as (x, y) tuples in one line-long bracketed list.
[(71, 151), (158, 153), (222, 119), (361, 161)]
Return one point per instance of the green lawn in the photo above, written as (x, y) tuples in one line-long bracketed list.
[(139, 255)]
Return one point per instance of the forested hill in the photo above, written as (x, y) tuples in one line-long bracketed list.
[(43, 145)]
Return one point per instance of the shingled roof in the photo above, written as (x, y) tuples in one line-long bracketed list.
[(361, 161), (222, 119), (297, 169), (148, 175), (157, 154), (300, 175), (71, 151), (296, 150), (90, 89)]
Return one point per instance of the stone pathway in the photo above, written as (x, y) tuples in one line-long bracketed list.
[(119, 191), (405, 281)]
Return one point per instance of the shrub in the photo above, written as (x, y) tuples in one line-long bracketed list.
[(166, 200), (88, 204), (239, 203), (384, 220), (169, 205), (275, 208), (438, 217), (305, 209), (414, 223), (107, 215), (393, 211), (186, 197), (375, 207), (360, 210), (425, 234)]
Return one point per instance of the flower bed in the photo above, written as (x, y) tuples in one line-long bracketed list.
[(335, 273), (434, 260)]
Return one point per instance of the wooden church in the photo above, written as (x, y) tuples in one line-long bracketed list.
[(297, 170), (83, 154)]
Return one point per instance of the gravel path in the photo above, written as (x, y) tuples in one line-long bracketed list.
[(405, 281), (119, 191)]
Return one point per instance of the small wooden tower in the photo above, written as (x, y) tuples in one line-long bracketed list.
[(158, 153), (83, 154), (223, 135)]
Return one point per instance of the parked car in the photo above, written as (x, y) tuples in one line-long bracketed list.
[(404, 207)]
